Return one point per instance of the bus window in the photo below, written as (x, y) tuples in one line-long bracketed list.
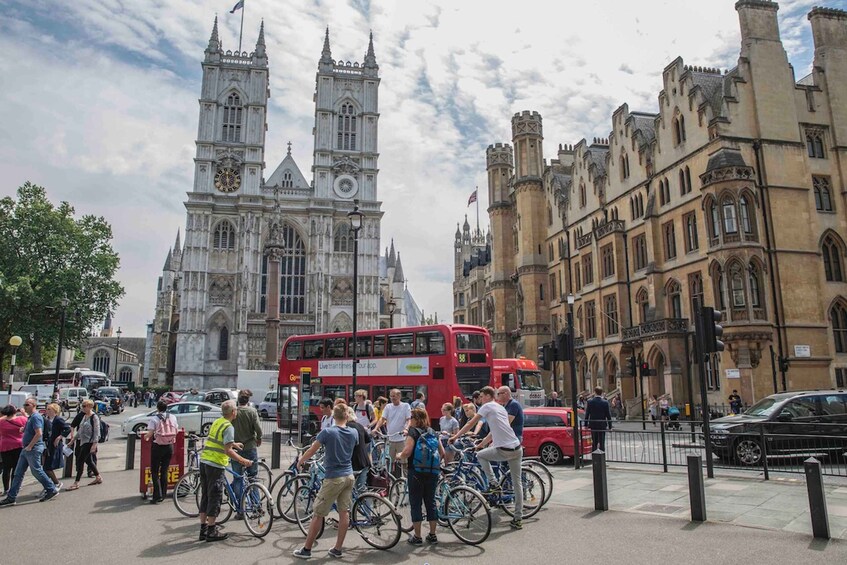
[(379, 346), (400, 344), (429, 343), (335, 347), (466, 341), (313, 349), (407, 393), (335, 391), (293, 349), (364, 349)]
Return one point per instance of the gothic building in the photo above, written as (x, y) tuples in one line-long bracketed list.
[(731, 194), (264, 259)]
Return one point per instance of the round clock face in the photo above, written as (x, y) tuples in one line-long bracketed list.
[(345, 186), (227, 180)]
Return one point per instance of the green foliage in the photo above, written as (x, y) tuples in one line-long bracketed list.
[(49, 255)]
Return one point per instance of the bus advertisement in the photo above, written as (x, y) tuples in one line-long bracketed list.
[(440, 361), (522, 376)]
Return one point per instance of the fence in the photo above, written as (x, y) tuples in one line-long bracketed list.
[(763, 448), (269, 425)]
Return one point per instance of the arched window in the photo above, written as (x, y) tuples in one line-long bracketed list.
[(695, 290), (687, 179), (730, 220), (582, 195), (814, 143), (579, 321), (224, 237), (223, 344), (755, 284), (714, 221), (624, 166), (125, 375), (643, 303), (343, 240), (347, 127), (746, 221), (719, 281), (287, 181), (682, 189), (674, 292), (678, 129), (831, 250), (102, 360), (232, 119), (838, 315), (823, 194), (736, 286), (292, 275)]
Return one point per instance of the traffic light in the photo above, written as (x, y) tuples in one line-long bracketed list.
[(646, 371), (563, 347), (544, 356), (633, 366), (712, 330)]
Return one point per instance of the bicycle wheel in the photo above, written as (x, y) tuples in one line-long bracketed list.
[(546, 477), (377, 456), (257, 508), (467, 514), (264, 475), (186, 493), (284, 507), (376, 521), (533, 493), (398, 496), (227, 507), (304, 508)]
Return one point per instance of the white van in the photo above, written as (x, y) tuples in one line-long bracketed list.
[(42, 393), (17, 399), (73, 396)]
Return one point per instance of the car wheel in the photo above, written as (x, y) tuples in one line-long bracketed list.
[(748, 451), (139, 428), (204, 431), (264, 415), (550, 454)]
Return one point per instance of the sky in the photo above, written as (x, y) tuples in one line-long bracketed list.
[(99, 101)]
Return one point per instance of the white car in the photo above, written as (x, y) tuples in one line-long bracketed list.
[(267, 408), (195, 417)]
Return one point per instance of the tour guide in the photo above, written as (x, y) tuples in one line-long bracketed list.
[(220, 448)]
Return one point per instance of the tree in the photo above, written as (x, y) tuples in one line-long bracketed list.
[(49, 255)]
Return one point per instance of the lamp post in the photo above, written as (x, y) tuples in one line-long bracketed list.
[(117, 353), (65, 303), (577, 437), (356, 217), (14, 341), (392, 306)]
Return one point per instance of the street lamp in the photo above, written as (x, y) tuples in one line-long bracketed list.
[(392, 306), (117, 352), (15, 341), (355, 217), (577, 436), (65, 303)]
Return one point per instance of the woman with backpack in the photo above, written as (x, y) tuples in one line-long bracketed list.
[(87, 436), (425, 453), (162, 429)]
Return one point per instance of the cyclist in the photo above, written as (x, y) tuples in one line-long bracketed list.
[(248, 432), (220, 448), (396, 416), (505, 447), (325, 406), (513, 409)]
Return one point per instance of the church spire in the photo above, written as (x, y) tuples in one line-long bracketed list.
[(398, 271), (260, 43), (214, 42), (370, 57), (326, 54), (167, 266), (177, 244), (391, 256)]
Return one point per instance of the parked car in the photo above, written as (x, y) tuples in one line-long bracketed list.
[(218, 396), (792, 424), (193, 395), (267, 408), (547, 434), (195, 417), (114, 395), (171, 396), (73, 396)]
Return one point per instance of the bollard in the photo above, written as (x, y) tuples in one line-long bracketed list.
[(69, 467), (817, 498), (276, 445), (601, 489), (696, 488), (130, 451)]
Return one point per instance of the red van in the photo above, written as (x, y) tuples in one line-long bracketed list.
[(547, 434)]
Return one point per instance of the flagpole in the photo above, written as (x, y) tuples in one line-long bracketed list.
[(241, 32), (476, 189)]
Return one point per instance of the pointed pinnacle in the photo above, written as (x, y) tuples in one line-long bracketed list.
[(370, 57), (214, 41), (326, 54)]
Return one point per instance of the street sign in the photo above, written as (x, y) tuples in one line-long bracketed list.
[(802, 351), (733, 373)]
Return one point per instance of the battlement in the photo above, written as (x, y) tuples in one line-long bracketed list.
[(601, 141), (527, 114), (706, 70), (833, 13), (236, 57), (829, 27), (565, 148), (526, 123), (504, 146), (757, 4), (499, 155)]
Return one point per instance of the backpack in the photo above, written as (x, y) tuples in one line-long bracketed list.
[(426, 458), (104, 429), (165, 431)]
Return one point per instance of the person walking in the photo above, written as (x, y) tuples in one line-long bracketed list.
[(396, 417), (338, 441), (219, 450), (161, 430), (735, 402), (653, 407), (423, 474), (33, 449), (513, 409), (598, 415), (87, 436), (505, 446), (248, 432), (554, 401), (664, 406), (56, 430), (12, 423)]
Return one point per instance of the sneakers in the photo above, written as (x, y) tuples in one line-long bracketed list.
[(432, 538), (60, 486), (492, 490), (516, 524), (203, 529), (303, 553), (7, 502), (215, 534), (48, 496), (335, 553), (414, 540)]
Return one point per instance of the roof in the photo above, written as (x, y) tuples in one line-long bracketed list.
[(712, 86), (287, 166), (643, 128), (596, 155), (414, 314), (725, 157)]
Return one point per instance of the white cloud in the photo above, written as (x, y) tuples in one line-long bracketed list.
[(103, 108)]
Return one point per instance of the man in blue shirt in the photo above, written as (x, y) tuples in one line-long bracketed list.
[(31, 457), (513, 409), (337, 485)]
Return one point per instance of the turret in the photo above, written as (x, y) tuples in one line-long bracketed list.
[(527, 137), (499, 163)]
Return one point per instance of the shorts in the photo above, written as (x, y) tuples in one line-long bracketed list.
[(338, 491)]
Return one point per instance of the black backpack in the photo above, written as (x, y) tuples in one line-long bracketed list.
[(104, 429)]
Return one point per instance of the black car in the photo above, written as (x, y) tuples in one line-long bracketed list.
[(784, 424), (113, 395)]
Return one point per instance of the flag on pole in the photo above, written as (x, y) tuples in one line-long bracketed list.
[(238, 6), (472, 198)]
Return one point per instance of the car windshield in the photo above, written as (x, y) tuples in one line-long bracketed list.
[(764, 407), (530, 380), (108, 391)]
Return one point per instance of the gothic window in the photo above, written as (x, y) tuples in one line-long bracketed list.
[(287, 181), (224, 237), (832, 252), (814, 143), (624, 166), (639, 199), (292, 275), (714, 221), (690, 223), (577, 277), (754, 275), (664, 192), (823, 194), (643, 303), (582, 196), (678, 129), (695, 289), (101, 361), (736, 286), (838, 315), (730, 220), (674, 292), (347, 128), (608, 260), (587, 269), (220, 293), (746, 218), (233, 116), (610, 305), (687, 180), (125, 375), (223, 344), (579, 321), (669, 233), (682, 189), (590, 320), (343, 239), (639, 244)]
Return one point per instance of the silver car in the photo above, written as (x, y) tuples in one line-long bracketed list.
[(195, 417), (267, 408)]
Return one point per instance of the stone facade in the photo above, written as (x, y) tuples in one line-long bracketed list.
[(732, 195)]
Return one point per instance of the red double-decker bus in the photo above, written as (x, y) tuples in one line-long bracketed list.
[(442, 361)]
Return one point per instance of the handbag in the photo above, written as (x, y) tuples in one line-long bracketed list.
[(67, 450)]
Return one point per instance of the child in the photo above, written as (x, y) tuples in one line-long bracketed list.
[(449, 426)]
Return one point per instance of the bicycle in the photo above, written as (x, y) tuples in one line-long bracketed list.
[(289, 481), (372, 516), (545, 474), (255, 505)]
